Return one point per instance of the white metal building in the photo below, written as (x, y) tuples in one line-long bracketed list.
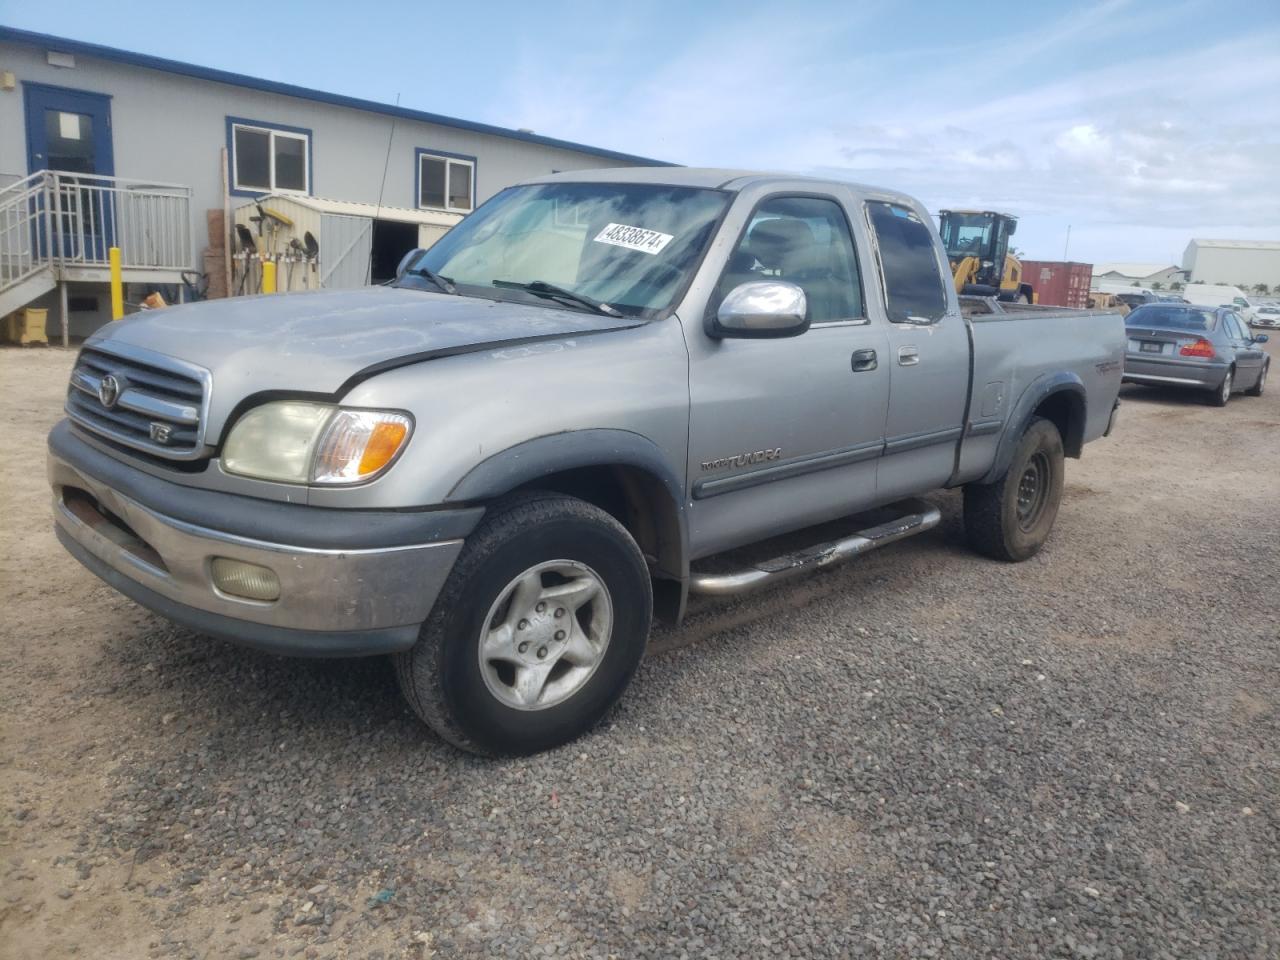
[(1141, 274), (1240, 263), (102, 147)]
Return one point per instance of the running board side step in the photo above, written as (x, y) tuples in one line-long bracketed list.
[(918, 516)]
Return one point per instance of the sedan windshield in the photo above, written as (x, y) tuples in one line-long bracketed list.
[(613, 248), (1163, 317)]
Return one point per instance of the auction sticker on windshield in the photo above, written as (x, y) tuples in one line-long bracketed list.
[(634, 238)]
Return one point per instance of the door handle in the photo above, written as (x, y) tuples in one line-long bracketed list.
[(908, 356), (863, 360)]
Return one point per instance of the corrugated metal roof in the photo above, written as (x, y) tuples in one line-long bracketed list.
[(1239, 244), (66, 45), (351, 208)]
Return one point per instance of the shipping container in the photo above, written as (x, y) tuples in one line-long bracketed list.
[(1059, 283)]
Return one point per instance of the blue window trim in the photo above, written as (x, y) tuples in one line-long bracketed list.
[(419, 153), (233, 122)]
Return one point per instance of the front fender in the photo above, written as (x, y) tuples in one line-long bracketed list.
[(556, 453)]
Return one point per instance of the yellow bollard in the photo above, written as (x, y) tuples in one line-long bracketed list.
[(268, 276), (117, 284)]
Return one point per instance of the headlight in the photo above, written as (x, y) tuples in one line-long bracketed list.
[(300, 442)]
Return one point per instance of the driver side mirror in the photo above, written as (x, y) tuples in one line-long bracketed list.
[(762, 309), (1261, 338), (407, 259)]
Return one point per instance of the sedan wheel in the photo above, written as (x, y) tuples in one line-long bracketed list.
[(1224, 392)]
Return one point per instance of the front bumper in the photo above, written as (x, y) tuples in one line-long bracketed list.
[(1174, 373), (366, 592)]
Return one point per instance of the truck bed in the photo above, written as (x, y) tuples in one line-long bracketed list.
[(1014, 345)]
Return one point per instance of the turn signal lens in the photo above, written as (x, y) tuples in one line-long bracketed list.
[(1200, 347), (359, 444)]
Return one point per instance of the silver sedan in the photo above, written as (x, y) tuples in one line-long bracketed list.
[(1202, 348)]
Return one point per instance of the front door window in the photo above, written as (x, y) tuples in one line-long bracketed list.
[(69, 141)]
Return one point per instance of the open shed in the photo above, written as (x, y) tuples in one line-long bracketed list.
[(355, 244)]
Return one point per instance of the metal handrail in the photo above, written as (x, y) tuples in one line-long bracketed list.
[(72, 220)]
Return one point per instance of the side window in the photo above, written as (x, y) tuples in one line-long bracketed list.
[(913, 285), (1235, 327), (269, 159), (806, 241)]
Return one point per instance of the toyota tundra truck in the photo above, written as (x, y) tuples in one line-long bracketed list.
[(557, 423)]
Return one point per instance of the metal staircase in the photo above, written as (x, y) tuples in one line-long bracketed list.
[(57, 227)]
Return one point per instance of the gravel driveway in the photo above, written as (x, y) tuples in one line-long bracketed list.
[(921, 754)]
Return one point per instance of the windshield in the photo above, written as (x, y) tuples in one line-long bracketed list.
[(966, 234), (632, 247), (1170, 318)]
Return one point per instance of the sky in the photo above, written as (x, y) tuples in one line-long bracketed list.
[(1137, 124)]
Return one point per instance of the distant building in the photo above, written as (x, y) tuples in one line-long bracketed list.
[(1137, 274), (1240, 263)]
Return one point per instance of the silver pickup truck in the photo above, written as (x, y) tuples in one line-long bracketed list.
[(501, 466)]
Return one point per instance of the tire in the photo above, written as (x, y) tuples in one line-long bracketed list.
[(1223, 394), (531, 542), (1257, 388), (998, 520)]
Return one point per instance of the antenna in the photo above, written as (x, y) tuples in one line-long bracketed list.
[(386, 161), (1066, 246)]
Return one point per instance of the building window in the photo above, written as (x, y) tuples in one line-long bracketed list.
[(269, 159), (446, 181)]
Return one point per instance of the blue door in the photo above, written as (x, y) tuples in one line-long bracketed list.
[(70, 131)]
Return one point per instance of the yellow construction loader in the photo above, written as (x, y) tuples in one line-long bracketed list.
[(977, 243)]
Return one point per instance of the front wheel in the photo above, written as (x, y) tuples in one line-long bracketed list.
[(537, 632), (1257, 388), (1011, 518)]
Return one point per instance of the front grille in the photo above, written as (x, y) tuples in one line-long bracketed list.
[(150, 402)]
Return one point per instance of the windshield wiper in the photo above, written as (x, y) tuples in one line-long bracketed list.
[(444, 283), (541, 288)]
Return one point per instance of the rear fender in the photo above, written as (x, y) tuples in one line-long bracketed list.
[(1040, 389)]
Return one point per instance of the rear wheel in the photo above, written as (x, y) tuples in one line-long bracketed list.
[(1011, 518), (1221, 398), (536, 633), (1257, 388)]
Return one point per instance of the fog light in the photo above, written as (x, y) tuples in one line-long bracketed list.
[(247, 580)]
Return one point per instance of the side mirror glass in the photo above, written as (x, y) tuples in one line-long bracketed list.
[(761, 309), (1261, 338), (407, 259)]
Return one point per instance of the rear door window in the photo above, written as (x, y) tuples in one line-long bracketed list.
[(914, 290)]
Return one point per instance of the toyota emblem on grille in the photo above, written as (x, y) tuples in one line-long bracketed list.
[(108, 391)]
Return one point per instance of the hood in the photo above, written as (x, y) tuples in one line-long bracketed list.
[(317, 342)]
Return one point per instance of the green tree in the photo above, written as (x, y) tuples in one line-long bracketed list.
[(1157, 285), (1176, 286), (1261, 289), (1135, 284)]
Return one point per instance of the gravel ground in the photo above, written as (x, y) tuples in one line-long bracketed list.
[(921, 754)]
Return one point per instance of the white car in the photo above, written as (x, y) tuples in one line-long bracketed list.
[(1267, 315)]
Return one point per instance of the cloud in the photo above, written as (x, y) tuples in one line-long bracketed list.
[(1082, 120)]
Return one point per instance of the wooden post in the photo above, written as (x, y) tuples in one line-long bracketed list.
[(228, 229), (117, 284)]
